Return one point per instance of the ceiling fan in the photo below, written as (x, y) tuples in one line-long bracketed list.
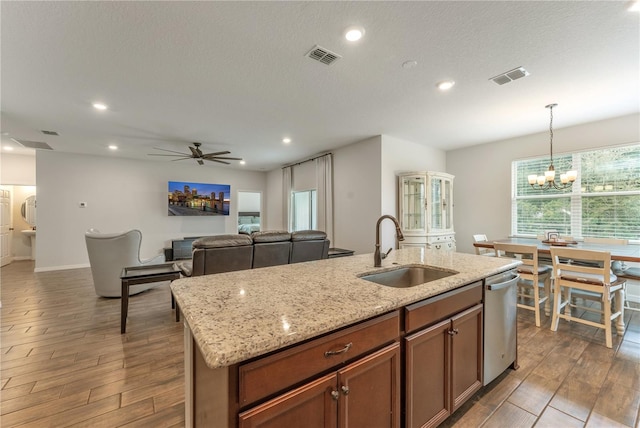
[(197, 154)]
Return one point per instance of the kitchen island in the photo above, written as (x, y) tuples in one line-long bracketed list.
[(245, 330)]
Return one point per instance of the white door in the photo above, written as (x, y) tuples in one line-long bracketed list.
[(5, 227)]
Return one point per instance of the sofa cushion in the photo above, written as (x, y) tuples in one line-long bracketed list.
[(233, 240), (271, 236), (308, 235)]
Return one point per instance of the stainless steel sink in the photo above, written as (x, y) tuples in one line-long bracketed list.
[(405, 277)]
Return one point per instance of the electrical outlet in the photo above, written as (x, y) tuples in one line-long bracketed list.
[(82, 204)]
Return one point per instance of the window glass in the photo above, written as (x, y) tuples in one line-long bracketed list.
[(303, 208), (603, 202)]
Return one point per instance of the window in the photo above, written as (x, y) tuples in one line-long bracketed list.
[(303, 209), (603, 202)]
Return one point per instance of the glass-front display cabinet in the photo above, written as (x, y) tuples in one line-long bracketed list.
[(425, 208)]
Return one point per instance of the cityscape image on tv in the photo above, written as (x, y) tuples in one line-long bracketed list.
[(198, 199)]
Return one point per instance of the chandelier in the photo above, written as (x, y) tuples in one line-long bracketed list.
[(548, 180)]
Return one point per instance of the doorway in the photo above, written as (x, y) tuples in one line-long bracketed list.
[(17, 235), (249, 211)]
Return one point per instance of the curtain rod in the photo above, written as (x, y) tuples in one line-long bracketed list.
[(306, 160)]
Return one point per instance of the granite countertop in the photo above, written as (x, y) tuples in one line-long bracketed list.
[(239, 315)]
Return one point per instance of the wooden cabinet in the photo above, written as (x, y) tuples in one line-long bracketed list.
[(444, 360), (425, 205), (412, 367), (365, 393)]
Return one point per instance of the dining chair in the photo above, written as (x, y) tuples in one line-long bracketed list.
[(589, 278), (531, 275), (483, 251), (630, 274)]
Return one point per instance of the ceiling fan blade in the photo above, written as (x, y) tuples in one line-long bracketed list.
[(172, 151), (183, 158), (200, 162), (194, 152), (222, 157), (215, 160), (208, 155)]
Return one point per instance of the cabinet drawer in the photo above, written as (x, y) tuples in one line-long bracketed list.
[(443, 306), (272, 374)]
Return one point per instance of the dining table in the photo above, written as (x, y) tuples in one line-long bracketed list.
[(622, 252)]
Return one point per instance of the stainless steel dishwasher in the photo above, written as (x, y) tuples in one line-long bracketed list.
[(500, 311)]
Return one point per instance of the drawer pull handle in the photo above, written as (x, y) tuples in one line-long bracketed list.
[(339, 351), (335, 395), (345, 390)]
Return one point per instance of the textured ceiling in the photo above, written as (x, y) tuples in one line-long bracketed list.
[(234, 76)]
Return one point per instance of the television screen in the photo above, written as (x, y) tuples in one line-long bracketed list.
[(198, 199)]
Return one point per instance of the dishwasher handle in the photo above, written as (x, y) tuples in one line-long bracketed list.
[(504, 284)]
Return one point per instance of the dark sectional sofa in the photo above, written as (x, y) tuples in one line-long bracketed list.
[(227, 253)]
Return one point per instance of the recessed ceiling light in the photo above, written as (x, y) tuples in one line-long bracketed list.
[(286, 140), (113, 147), (242, 162), (634, 6), (353, 34), (100, 106), (445, 85)]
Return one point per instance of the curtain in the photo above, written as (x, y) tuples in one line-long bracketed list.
[(287, 182), (324, 180)]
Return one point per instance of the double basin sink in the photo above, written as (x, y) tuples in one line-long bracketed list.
[(407, 276)]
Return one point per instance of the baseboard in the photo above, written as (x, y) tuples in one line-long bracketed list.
[(21, 258), (52, 268)]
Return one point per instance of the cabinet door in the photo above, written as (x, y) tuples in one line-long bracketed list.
[(412, 203), (466, 353), (313, 405), (370, 390), (447, 204), (435, 204), (427, 355)]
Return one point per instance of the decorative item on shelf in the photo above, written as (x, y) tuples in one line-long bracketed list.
[(548, 180)]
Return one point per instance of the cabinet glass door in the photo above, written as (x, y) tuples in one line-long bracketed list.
[(413, 213), (436, 203), (447, 205)]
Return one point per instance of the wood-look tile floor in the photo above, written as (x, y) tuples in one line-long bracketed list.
[(63, 362)]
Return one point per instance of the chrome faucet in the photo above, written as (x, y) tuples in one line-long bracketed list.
[(377, 257)]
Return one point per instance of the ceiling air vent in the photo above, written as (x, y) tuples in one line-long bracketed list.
[(49, 132), (510, 76), (33, 144), (323, 55)]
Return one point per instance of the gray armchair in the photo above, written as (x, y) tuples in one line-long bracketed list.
[(109, 253)]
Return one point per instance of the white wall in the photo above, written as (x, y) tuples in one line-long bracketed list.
[(402, 156), (357, 199), (482, 187), (121, 194), (17, 169), (249, 201), (365, 187)]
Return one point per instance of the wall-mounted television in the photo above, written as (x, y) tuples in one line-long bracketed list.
[(198, 199)]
